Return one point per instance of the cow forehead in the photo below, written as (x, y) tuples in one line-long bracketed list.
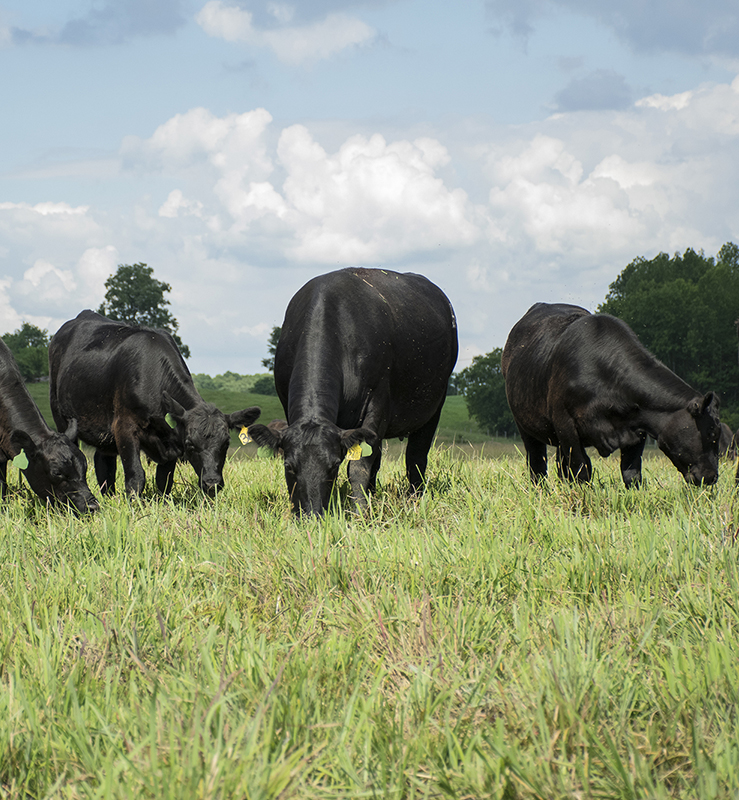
[(207, 422), (59, 452), (311, 434)]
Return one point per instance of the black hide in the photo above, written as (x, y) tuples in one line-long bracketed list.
[(577, 380), (131, 391), (57, 468), (364, 355)]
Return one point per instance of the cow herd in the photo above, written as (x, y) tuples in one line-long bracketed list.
[(364, 355)]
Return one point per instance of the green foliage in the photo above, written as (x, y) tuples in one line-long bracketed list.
[(265, 385), (135, 296), (274, 338), (229, 381), (483, 387), (29, 345), (683, 309)]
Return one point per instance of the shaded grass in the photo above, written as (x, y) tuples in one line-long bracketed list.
[(489, 640)]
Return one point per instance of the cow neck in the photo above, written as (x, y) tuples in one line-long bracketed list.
[(18, 411), (656, 407), (186, 395), (316, 382)]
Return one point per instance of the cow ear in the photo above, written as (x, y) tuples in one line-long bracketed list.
[(171, 406), (71, 432), (20, 440), (355, 436), (244, 417), (266, 437), (708, 404)]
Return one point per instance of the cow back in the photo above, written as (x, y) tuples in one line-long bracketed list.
[(358, 332)]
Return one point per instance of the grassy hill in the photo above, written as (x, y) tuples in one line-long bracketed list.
[(455, 427)]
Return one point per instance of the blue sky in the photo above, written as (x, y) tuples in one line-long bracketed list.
[(511, 150)]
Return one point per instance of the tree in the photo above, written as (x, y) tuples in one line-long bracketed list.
[(136, 297), (274, 337), (483, 387), (683, 310), (29, 345), (264, 385)]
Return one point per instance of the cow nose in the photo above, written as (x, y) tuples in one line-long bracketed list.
[(699, 478), (211, 488)]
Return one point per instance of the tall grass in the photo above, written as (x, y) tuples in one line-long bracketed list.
[(489, 640)]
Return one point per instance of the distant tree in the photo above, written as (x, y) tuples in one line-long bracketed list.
[(274, 337), (683, 309), (264, 385), (483, 387), (29, 345), (135, 296)]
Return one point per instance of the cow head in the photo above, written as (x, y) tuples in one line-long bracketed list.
[(57, 468), (690, 440), (313, 452), (204, 430)]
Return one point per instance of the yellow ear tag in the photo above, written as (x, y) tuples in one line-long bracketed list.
[(21, 460), (354, 453), (244, 437)]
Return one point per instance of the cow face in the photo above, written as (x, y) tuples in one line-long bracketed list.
[(690, 440), (57, 469), (313, 452), (206, 438)]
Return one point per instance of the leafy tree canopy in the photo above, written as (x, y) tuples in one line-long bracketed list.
[(135, 296), (683, 309), (483, 387), (274, 337), (29, 345)]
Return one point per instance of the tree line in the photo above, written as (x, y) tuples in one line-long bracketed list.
[(132, 295), (683, 308)]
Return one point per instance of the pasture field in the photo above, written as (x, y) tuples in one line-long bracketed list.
[(491, 640)]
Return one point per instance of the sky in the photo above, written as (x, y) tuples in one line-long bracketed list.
[(513, 151)]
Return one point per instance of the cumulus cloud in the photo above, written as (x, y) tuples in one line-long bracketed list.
[(370, 200), (291, 44), (695, 29), (237, 213), (110, 22)]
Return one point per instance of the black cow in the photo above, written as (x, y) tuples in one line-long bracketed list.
[(130, 390), (577, 380), (55, 468), (364, 355)]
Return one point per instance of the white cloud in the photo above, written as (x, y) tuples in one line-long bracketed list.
[(236, 215), (292, 45)]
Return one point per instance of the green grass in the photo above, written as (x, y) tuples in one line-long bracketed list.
[(491, 640)]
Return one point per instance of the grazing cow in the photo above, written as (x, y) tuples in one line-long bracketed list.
[(130, 390), (577, 380), (55, 468), (364, 355)]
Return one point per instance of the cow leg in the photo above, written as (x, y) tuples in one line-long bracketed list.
[(417, 451), (536, 457), (362, 476), (631, 463), (3, 478), (105, 469), (573, 463), (372, 487), (165, 476), (129, 451)]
